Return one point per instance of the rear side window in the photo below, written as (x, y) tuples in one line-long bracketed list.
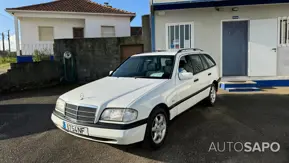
[(196, 62), (205, 63), (209, 60)]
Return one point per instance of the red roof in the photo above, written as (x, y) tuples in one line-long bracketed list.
[(73, 6)]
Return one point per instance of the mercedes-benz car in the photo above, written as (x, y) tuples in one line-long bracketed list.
[(136, 102)]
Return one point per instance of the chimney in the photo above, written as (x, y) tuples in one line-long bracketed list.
[(107, 4)]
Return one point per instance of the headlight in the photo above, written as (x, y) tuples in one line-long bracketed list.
[(60, 106), (120, 115)]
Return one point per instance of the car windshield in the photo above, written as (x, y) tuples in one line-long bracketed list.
[(159, 67)]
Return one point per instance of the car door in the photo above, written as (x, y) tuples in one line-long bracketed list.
[(207, 70), (201, 77), (212, 68), (188, 89)]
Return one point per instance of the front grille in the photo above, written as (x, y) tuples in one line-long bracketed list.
[(80, 113)]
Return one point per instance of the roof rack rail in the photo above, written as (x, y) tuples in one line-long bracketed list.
[(194, 49)]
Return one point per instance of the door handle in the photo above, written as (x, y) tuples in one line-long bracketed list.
[(196, 80), (274, 49), (209, 74)]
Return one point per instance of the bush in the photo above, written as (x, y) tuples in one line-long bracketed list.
[(41, 55)]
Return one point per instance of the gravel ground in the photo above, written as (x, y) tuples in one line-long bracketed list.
[(28, 135)]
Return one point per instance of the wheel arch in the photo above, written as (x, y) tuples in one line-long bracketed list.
[(165, 107), (216, 84)]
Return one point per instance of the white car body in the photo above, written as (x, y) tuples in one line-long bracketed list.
[(140, 94)]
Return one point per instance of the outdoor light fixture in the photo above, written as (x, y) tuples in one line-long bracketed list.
[(235, 9), (219, 8), (161, 13)]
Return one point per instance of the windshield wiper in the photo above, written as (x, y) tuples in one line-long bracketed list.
[(148, 77), (141, 77)]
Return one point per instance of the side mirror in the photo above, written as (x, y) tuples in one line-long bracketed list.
[(185, 75), (110, 72)]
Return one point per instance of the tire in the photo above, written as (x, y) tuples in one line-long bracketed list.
[(155, 139), (211, 99)]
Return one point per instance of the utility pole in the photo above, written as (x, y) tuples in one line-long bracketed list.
[(9, 41), (3, 39)]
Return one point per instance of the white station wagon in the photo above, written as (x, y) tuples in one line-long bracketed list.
[(136, 101)]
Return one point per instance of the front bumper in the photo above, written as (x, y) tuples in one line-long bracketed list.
[(105, 135)]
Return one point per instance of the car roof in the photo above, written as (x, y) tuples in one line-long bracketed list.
[(167, 53)]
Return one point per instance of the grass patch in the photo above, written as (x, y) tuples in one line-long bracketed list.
[(5, 66), (11, 58), (5, 60)]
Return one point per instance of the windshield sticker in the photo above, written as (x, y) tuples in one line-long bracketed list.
[(158, 74)]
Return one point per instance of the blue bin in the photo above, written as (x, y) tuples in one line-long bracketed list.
[(24, 59)]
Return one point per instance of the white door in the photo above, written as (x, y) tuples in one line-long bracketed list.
[(263, 47), (186, 88)]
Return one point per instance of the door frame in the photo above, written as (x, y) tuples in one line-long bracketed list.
[(221, 43)]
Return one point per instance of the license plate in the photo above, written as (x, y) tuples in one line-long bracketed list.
[(75, 128)]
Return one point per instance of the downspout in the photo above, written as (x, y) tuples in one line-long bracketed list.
[(152, 27)]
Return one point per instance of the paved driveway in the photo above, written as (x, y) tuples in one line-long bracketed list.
[(27, 134)]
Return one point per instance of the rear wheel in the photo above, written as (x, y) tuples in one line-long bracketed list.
[(211, 99), (157, 129)]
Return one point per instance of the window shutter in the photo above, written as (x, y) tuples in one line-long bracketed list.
[(46, 34), (107, 31)]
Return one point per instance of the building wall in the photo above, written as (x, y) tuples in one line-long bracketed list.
[(63, 27), (283, 61), (93, 25), (207, 23)]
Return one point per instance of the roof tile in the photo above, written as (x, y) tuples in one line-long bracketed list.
[(73, 6)]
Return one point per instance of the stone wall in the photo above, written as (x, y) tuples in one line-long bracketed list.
[(23, 76), (94, 57)]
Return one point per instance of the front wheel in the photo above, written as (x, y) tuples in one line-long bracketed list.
[(157, 129)]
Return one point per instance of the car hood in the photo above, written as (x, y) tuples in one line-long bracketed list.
[(111, 91)]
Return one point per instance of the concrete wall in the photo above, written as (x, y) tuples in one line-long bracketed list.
[(94, 57), (207, 23), (146, 33), (23, 76)]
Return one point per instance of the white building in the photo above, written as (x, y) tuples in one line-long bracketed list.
[(246, 37), (40, 24)]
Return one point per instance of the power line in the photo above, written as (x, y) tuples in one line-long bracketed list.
[(6, 17)]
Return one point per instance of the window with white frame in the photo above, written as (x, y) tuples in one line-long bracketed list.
[(107, 31), (179, 35), (46, 33), (284, 31)]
